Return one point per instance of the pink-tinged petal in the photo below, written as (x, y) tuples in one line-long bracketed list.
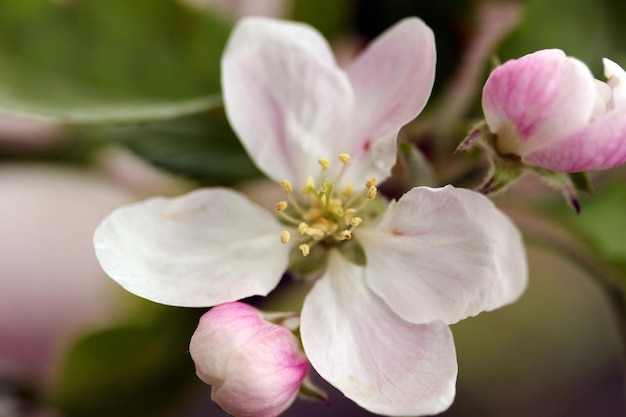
[(383, 363), (601, 145), (255, 367), (538, 98), (204, 248), (392, 80), (616, 77), (285, 97), (444, 254)]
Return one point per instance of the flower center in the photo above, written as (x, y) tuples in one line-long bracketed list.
[(321, 212)]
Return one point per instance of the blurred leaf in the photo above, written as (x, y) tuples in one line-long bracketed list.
[(201, 147), (129, 370), (327, 16), (588, 30), (104, 61), (602, 221)]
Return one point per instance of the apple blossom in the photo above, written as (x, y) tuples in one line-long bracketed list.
[(255, 367), (391, 276), (549, 110)]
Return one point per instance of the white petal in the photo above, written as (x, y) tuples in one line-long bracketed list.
[(444, 254), (392, 80), (616, 77), (383, 363), (285, 97), (204, 248)]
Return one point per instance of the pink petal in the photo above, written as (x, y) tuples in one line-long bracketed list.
[(255, 367), (601, 145), (392, 80), (285, 97), (537, 99), (204, 248), (383, 363), (444, 254)]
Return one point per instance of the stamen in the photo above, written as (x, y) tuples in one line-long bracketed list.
[(348, 215), (302, 228), (305, 249), (348, 190), (285, 236), (281, 206), (371, 192), (287, 188), (325, 163), (356, 221), (345, 235), (370, 183), (344, 158)]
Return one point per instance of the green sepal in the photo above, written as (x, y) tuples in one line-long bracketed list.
[(310, 391), (581, 182), (502, 174), (353, 252), (418, 170), (306, 266)]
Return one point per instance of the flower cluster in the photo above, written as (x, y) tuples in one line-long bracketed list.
[(389, 276)]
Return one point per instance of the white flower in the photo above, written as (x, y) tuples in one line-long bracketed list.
[(375, 323)]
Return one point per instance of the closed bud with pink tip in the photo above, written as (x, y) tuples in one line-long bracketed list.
[(255, 367)]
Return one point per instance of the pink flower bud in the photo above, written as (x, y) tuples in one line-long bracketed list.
[(255, 367), (548, 109)]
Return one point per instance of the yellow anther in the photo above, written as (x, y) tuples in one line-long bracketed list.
[(356, 221), (285, 236), (370, 183), (281, 205), (371, 192), (302, 228), (347, 191), (345, 235), (305, 249), (286, 186), (316, 234), (345, 158), (348, 215), (325, 163)]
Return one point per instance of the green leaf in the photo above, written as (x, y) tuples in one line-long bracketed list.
[(129, 370), (95, 61), (201, 147)]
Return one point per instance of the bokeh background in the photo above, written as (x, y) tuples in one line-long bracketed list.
[(104, 103)]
